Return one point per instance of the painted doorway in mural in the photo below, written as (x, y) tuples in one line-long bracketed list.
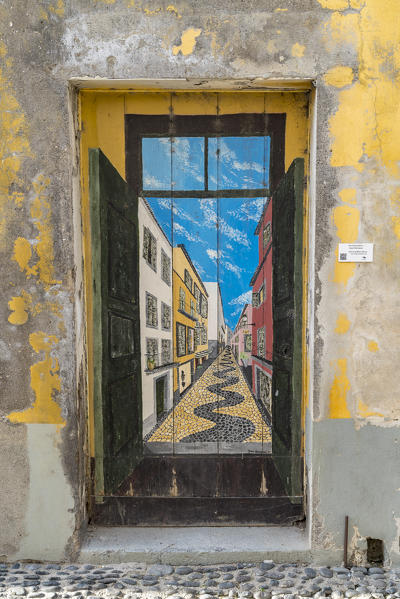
[(210, 429)]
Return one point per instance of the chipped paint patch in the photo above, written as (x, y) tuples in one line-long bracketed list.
[(20, 306), (22, 255), (57, 8), (188, 42), (45, 381), (373, 346), (364, 411), (348, 195), (346, 219), (342, 324), (298, 50), (339, 76), (338, 392), (171, 8), (13, 149)]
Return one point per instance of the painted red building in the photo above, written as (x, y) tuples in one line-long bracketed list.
[(262, 322)]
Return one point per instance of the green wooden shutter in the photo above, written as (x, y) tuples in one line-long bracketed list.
[(117, 375), (287, 241)]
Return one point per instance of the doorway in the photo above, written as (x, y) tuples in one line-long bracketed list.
[(196, 287)]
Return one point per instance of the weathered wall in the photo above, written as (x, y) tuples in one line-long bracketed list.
[(350, 48)]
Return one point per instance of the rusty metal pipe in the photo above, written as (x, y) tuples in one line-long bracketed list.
[(346, 540)]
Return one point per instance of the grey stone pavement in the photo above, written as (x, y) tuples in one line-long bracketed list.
[(265, 580)]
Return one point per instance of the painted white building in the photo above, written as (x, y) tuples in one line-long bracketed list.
[(155, 292), (217, 331)]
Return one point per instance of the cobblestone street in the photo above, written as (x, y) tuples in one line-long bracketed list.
[(219, 407), (243, 580)]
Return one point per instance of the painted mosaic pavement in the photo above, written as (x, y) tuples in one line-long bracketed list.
[(219, 406)]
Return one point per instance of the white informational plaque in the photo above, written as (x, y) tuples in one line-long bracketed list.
[(356, 252)]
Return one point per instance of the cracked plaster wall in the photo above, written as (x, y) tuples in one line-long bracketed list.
[(350, 49)]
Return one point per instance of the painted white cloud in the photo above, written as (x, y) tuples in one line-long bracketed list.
[(239, 301), (187, 234), (249, 210), (242, 299), (211, 219)]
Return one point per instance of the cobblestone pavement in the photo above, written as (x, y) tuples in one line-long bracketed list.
[(264, 580), (218, 407)]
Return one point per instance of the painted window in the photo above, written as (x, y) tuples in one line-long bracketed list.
[(261, 342), (182, 299), (197, 335), (258, 297), (149, 248), (152, 352), (261, 295), (203, 335), (188, 280), (197, 298), (192, 308), (255, 300), (165, 317), (166, 351), (180, 339), (165, 268), (266, 235), (151, 310), (203, 306), (243, 322), (247, 342), (190, 340)]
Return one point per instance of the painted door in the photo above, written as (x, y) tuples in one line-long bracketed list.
[(287, 243), (203, 188), (160, 396), (117, 393)]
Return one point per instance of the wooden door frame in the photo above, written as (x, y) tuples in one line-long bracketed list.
[(81, 209)]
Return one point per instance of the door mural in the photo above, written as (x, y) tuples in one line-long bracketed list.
[(203, 190)]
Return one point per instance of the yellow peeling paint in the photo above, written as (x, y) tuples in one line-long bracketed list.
[(338, 393), (347, 220), (364, 411), (334, 4), (45, 381), (149, 11), (188, 42), (343, 29), (13, 149), (373, 346), (396, 225), (57, 8), (43, 244), (342, 324), (348, 195), (23, 254), (41, 216), (19, 306), (298, 50), (281, 9), (339, 76), (343, 271), (171, 8)]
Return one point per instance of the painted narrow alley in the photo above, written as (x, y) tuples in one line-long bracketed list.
[(217, 414)]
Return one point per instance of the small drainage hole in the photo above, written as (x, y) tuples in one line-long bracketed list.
[(374, 551)]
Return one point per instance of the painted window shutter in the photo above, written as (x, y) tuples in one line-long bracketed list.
[(287, 211), (117, 392)]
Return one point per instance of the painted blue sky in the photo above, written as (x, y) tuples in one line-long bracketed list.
[(218, 234)]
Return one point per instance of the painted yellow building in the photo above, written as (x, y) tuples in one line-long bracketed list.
[(190, 318)]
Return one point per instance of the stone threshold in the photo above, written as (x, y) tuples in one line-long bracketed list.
[(194, 545)]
